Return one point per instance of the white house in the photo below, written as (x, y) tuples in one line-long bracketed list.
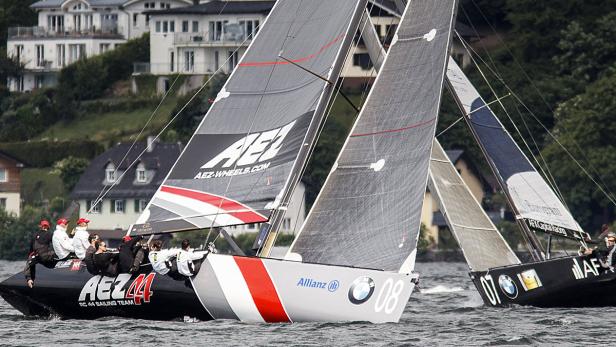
[(69, 30)]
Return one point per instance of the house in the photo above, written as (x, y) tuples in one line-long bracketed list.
[(10, 183), (479, 185), (123, 204), (198, 40), (69, 30)]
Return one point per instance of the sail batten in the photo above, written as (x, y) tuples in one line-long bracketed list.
[(236, 167), (536, 204), (368, 211)]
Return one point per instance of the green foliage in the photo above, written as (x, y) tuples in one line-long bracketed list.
[(512, 234), (16, 233), (40, 185), (15, 13), (91, 77), (70, 169), (425, 241), (46, 153)]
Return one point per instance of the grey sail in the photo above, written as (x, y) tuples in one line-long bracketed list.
[(482, 244), (368, 211), (534, 200), (237, 166)]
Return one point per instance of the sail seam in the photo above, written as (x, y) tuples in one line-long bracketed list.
[(396, 130)]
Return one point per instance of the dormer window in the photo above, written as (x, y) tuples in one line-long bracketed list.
[(141, 176), (110, 173)]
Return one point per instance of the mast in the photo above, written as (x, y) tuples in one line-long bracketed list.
[(311, 136)]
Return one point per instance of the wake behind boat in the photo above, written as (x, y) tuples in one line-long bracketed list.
[(354, 258)]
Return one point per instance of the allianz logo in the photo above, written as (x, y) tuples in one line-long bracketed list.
[(305, 282)]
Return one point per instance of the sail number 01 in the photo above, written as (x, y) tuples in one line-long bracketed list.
[(389, 296), (490, 289)]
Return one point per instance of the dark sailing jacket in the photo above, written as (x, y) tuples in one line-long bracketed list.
[(89, 261), (127, 254), (41, 245), (107, 263)]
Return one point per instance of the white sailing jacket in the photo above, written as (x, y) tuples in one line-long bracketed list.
[(62, 244), (158, 259), (185, 261), (80, 242)]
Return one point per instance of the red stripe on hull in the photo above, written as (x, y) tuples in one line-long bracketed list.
[(262, 290), (231, 207)]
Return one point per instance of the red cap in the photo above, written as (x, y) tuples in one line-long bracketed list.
[(62, 221), (83, 220), (126, 238), (44, 223)]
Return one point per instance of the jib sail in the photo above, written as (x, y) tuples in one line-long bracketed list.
[(481, 243), (237, 166), (368, 212), (533, 199)]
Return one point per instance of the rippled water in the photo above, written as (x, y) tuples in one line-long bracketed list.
[(447, 312)]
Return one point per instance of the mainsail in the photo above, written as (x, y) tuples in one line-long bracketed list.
[(536, 203), (368, 212), (483, 246), (237, 166)]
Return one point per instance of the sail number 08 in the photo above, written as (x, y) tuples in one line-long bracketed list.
[(389, 296), (489, 288)]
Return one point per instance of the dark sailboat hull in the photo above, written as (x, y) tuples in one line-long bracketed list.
[(574, 281), (69, 291)]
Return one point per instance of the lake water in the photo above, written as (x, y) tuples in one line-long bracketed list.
[(447, 311)]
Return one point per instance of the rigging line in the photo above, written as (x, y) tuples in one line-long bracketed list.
[(506, 113), (99, 197), (469, 114), (352, 48), (610, 196), (537, 90)]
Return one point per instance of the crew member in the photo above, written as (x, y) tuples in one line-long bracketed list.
[(131, 254), (62, 244), (186, 260), (161, 259), (105, 261), (89, 257), (605, 230), (40, 251), (80, 239)]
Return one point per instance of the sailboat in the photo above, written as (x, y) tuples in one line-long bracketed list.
[(353, 259), (498, 275)]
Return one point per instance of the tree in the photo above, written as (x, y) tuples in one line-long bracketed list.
[(15, 233), (70, 170)]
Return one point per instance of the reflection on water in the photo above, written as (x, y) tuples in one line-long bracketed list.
[(448, 311)]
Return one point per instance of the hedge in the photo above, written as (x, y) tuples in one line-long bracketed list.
[(46, 153)]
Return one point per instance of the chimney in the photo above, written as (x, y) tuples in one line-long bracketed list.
[(151, 143)]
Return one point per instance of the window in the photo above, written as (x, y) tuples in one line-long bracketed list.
[(55, 23), (147, 20), (216, 30), (110, 173), (195, 26), (76, 52), (117, 206), (165, 26), (171, 61), (19, 83), (377, 28), (189, 61), (172, 26), (77, 22), (93, 209), (362, 60), (19, 52), (40, 55), (61, 55), (141, 176), (157, 26), (39, 81), (2, 203), (216, 61), (4, 175), (184, 26), (249, 27), (286, 224), (135, 19), (233, 58), (150, 5), (104, 47), (140, 205)]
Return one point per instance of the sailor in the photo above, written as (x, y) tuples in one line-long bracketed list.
[(106, 262), (62, 244), (89, 256), (131, 254), (161, 259), (80, 239), (40, 251), (186, 260), (605, 229)]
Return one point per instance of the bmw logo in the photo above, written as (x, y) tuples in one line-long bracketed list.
[(361, 290), (508, 286)]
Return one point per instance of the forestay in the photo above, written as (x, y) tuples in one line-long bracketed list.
[(483, 246), (536, 203), (237, 165), (368, 212)]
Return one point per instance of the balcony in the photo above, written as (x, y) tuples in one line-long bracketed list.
[(33, 33), (201, 39)]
